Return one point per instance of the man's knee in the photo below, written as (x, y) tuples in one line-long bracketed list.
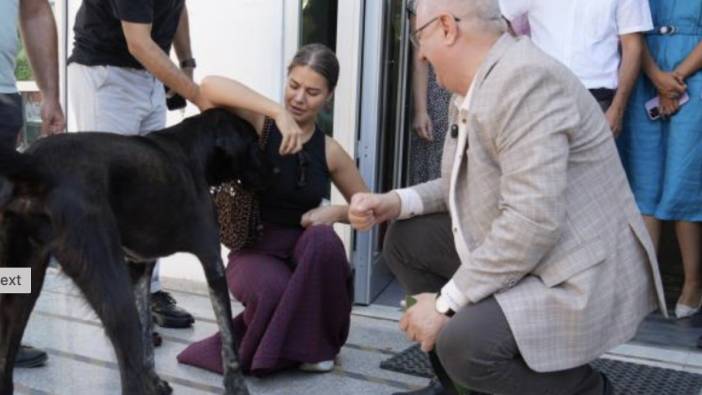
[(468, 350), (397, 239)]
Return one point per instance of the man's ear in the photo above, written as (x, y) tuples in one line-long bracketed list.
[(449, 28)]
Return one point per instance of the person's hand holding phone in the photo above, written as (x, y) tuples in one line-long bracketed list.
[(668, 106)]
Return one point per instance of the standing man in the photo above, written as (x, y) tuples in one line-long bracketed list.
[(40, 40), (586, 36), (528, 258), (116, 77)]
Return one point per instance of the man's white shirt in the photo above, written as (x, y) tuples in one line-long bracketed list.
[(583, 34), (411, 205)]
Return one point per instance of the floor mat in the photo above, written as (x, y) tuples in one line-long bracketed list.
[(628, 378)]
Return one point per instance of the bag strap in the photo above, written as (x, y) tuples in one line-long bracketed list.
[(268, 124)]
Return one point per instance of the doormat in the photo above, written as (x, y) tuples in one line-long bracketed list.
[(627, 377)]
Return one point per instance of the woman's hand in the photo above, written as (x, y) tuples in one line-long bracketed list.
[(670, 85), (327, 215), (292, 134), (668, 106), (422, 126)]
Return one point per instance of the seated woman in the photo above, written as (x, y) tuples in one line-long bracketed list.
[(295, 282)]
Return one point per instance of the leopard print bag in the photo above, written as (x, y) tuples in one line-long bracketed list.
[(238, 210)]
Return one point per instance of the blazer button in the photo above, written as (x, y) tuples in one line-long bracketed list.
[(454, 131)]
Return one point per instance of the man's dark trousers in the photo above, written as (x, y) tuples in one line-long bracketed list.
[(476, 348)]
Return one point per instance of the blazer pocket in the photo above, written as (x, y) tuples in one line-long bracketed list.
[(584, 257)]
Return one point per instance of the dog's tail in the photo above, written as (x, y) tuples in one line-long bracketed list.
[(19, 173)]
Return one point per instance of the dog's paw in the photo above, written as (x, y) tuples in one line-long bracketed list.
[(163, 388), (234, 384), (159, 386)]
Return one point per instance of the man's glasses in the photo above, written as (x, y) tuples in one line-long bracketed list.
[(414, 36)]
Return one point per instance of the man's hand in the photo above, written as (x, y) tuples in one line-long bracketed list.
[(52, 119), (422, 125), (614, 117), (368, 209), (422, 323)]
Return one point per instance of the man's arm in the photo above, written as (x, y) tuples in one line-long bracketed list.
[(150, 55), (40, 40), (629, 69), (181, 41)]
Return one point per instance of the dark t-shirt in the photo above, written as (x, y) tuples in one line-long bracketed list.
[(98, 36)]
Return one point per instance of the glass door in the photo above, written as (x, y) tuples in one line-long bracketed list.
[(381, 146), (319, 26)]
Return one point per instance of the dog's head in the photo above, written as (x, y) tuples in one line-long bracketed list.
[(238, 154)]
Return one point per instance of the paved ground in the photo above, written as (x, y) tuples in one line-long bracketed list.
[(82, 360)]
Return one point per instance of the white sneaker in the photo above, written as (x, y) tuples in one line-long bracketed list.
[(684, 311), (319, 367)]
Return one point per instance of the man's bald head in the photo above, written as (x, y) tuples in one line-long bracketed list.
[(486, 12)]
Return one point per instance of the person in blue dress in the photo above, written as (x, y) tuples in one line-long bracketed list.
[(663, 156)]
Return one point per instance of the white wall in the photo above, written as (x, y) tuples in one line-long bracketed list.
[(244, 39)]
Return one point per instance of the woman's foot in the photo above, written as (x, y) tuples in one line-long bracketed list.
[(689, 303), (318, 367)]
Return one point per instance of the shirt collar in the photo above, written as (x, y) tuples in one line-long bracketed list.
[(463, 102)]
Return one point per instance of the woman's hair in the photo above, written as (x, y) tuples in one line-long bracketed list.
[(320, 59)]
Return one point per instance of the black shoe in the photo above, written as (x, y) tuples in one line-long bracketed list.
[(30, 357), (434, 388), (157, 339), (167, 314)]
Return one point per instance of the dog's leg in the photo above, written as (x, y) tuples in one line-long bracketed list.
[(140, 274), (234, 383), (91, 254), (18, 248)]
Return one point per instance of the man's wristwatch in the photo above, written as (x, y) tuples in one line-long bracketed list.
[(188, 63), (442, 306)]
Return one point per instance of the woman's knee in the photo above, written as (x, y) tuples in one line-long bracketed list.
[(257, 279), (320, 239)]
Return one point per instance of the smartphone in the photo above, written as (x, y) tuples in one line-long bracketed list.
[(653, 106), (174, 101)]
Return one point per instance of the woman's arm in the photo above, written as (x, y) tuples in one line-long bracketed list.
[(691, 64), (346, 178), (344, 175), (253, 107), (666, 83)]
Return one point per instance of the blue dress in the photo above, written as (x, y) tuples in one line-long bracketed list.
[(663, 158)]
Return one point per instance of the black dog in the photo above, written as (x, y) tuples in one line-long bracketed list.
[(94, 200)]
